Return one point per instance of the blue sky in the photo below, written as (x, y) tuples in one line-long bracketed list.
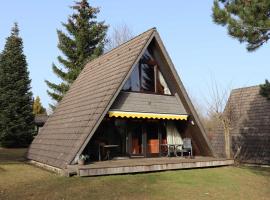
[(200, 50)]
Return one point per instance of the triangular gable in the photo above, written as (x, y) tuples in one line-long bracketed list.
[(76, 118)]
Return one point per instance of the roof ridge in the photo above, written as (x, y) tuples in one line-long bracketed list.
[(244, 88), (151, 29), (113, 49)]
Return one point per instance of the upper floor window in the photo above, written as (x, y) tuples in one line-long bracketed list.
[(146, 77)]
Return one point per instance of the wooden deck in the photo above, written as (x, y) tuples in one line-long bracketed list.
[(145, 165)]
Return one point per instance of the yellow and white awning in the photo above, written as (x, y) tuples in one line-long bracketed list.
[(146, 115)]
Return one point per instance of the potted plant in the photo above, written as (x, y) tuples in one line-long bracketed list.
[(82, 159)]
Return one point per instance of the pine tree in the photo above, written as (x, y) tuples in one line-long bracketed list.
[(84, 41), (37, 107), (248, 21), (265, 89), (16, 117)]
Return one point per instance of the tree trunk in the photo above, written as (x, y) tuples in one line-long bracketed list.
[(227, 143), (226, 129)]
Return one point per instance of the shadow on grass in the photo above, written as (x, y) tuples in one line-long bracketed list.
[(262, 171), (10, 156), (2, 169)]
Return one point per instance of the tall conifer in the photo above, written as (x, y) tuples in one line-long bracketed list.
[(83, 41), (16, 117)]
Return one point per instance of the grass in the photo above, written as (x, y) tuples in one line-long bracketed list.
[(18, 180)]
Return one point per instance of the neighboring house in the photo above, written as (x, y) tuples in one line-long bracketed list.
[(40, 120), (131, 98), (250, 129)]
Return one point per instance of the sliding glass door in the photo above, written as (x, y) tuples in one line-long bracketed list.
[(152, 138), (136, 138), (145, 137)]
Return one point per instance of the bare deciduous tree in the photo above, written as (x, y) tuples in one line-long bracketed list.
[(225, 112), (120, 34)]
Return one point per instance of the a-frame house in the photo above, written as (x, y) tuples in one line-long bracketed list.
[(130, 98)]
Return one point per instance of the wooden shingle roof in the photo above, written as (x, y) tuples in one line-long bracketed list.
[(148, 103), (251, 130), (40, 119), (84, 106), (250, 126), (249, 109)]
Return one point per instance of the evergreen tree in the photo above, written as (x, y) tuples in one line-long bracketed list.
[(265, 89), (16, 117), (84, 41), (37, 107), (248, 21)]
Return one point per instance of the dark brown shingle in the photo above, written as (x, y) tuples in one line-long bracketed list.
[(148, 103), (40, 119)]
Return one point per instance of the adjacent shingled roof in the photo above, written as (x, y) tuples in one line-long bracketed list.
[(251, 125), (83, 106), (40, 119), (252, 128), (149, 103)]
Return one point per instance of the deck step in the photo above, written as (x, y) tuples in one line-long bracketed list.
[(121, 158), (137, 157)]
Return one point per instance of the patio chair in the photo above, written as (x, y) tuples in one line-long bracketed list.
[(178, 149), (186, 148), (164, 150), (167, 150), (171, 150)]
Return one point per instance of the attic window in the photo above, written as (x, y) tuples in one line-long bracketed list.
[(133, 83), (146, 77), (147, 72)]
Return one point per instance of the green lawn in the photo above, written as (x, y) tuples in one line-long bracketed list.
[(19, 180)]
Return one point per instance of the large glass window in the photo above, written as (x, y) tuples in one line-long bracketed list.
[(133, 83), (161, 85), (147, 74), (146, 77)]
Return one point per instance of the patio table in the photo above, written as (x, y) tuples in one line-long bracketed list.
[(108, 147)]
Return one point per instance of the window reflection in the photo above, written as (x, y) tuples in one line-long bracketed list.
[(146, 77), (147, 74), (133, 83), (162, 87)]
